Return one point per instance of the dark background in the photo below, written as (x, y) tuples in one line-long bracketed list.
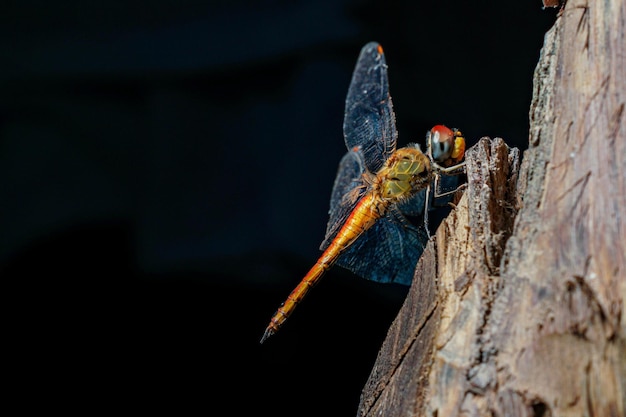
[(165, 170)]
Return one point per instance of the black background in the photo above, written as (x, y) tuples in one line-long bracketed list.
[(165, 174)]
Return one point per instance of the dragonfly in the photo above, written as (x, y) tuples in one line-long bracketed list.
[(377, 187)]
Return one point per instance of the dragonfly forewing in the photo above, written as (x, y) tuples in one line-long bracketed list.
[(369, 121)]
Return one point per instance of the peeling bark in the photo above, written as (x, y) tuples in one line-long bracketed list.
[(517, 306)]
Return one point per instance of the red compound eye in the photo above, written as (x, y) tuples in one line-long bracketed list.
[(445, 146), (440, 142), (443, 131)]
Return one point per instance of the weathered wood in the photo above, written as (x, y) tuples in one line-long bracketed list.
[(518, 310), (444, 306)]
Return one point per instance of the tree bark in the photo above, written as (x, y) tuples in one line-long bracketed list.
[(517, 305)]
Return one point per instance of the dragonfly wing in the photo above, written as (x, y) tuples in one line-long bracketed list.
[(388, 251), (369, 121), (347, 190), (415, 205)]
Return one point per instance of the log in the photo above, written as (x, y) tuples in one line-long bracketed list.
[(517, 305)]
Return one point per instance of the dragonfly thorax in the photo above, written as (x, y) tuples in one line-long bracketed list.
[(406, 172)]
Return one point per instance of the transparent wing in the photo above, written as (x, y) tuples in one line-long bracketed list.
[(369, 121), (415, 205), (388, 251)]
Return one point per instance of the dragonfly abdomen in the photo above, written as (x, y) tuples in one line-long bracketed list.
[(369, 209)]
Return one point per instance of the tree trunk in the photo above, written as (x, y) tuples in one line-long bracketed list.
[(517, 306)]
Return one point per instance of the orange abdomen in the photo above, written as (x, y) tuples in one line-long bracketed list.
[(364, 215)]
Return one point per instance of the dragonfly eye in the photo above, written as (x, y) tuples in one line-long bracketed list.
[(444, 148), (440, 141)]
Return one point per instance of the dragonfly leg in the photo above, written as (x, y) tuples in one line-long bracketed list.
[(457, 169), (437, 193), (446, 193), (451, 170)]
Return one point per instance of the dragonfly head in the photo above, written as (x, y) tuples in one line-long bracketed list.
[(406, 171), (445, 146)]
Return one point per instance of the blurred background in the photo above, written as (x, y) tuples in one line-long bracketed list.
[(165, 174)]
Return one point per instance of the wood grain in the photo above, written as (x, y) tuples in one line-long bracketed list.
[(517, 306)]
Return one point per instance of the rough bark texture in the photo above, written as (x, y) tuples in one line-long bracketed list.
[(518, 310)]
